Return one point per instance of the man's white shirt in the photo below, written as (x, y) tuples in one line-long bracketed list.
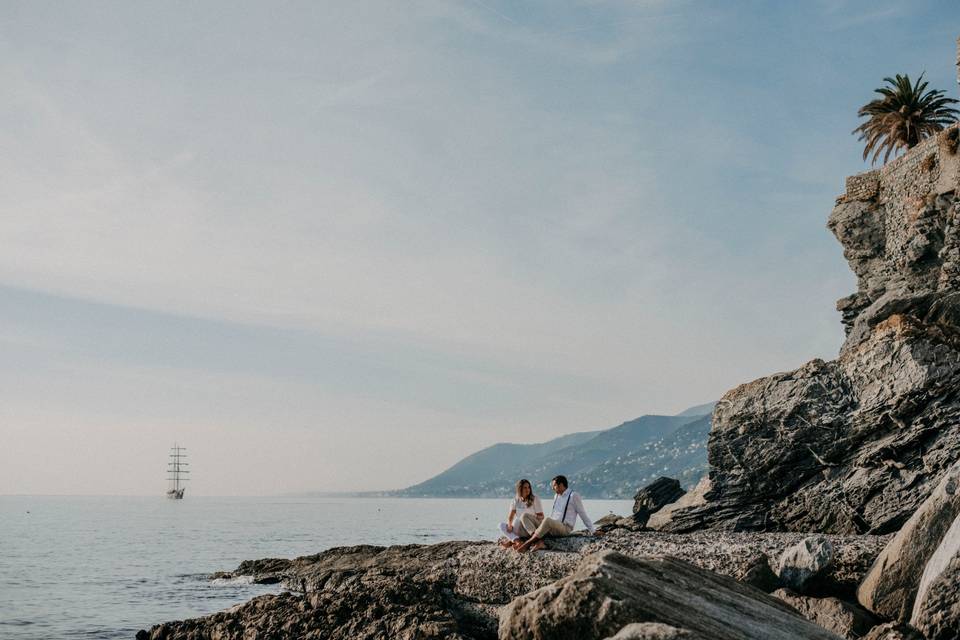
[(570, 502)]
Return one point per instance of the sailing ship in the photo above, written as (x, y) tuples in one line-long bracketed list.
[(176, 469)]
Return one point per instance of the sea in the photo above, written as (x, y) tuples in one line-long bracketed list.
[(106, 567)]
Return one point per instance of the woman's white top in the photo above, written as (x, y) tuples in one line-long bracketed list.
[(521, 507)]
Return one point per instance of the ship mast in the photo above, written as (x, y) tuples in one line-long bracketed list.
[(176, 467)]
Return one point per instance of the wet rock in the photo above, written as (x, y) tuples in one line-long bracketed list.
[(843, 618), (804, 561), (608, 590), (890, 587), (657, 494)]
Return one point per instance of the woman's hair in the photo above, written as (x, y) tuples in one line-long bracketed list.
[(529, 499)]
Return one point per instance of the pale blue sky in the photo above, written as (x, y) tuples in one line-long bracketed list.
[(338, 246)]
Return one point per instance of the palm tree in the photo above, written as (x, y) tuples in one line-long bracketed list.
[(904, 116)]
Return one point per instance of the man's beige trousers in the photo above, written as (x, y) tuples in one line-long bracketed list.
[(549, 526)]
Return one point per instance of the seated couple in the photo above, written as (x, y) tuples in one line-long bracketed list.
[(526, 527)]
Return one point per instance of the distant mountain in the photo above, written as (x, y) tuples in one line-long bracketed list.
[(611, 463), (699, 410)]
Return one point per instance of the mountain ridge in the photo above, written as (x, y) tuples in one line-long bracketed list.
[(606, 463)]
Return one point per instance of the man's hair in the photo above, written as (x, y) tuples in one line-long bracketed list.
[(561, 480)]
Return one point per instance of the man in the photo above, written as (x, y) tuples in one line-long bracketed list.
[(567, 505)]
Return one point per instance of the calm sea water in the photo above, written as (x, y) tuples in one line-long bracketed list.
[(105, 567)]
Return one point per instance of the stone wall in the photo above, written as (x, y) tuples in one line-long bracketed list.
[(892, 223)]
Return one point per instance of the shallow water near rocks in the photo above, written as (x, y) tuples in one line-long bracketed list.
[(105, 567)]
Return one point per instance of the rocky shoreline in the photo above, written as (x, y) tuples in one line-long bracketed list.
[(865, 448), (458, 589)]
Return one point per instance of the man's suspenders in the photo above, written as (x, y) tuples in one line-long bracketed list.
[(566, 506), (563, 519)]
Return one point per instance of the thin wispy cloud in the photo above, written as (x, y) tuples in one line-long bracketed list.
[(452, 223)]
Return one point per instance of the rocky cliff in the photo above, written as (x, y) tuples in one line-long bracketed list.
[(855, 444)]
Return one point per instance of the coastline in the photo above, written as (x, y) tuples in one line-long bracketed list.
[(458, 589)]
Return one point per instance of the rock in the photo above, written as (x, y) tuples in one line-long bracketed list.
[(893, 631), (938, 616), (456, 588), (609, 590), (936, 610), (805, 560), (758, 574), (855, 444), (694, 498), (606, 521), (843, 618), (733, 554), (889, 589), (636, 522), (653, 631), (658, 493)]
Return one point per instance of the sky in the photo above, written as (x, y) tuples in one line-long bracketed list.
[(339, 246)]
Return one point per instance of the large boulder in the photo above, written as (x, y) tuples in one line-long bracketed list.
[(653, 631), (688, 502), (805, 560), (609, 590), (936, 609), (658, 493), (891, 585), (757, 573), (938, 616), (855, 444), (893, 631), (843, 618)]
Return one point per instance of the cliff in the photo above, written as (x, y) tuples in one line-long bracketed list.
[(855, 444)]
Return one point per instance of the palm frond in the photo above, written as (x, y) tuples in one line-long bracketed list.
[(905, 114)]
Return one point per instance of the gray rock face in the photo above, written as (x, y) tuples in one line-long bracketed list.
[(891, 585), (893, 631), (805, 560), (938, 614), (678, 515), (636, 522), (843, 618), (856, 444), (658, 493), (758, 574), (455, 589), (609, 590), (936, 610), (653, 631)]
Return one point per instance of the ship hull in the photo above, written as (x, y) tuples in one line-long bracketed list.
[(175, 494)]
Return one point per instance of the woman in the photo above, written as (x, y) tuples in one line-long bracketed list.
[(524, 501)]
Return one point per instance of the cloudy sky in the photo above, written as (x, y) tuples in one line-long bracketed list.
[(336, 246)]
